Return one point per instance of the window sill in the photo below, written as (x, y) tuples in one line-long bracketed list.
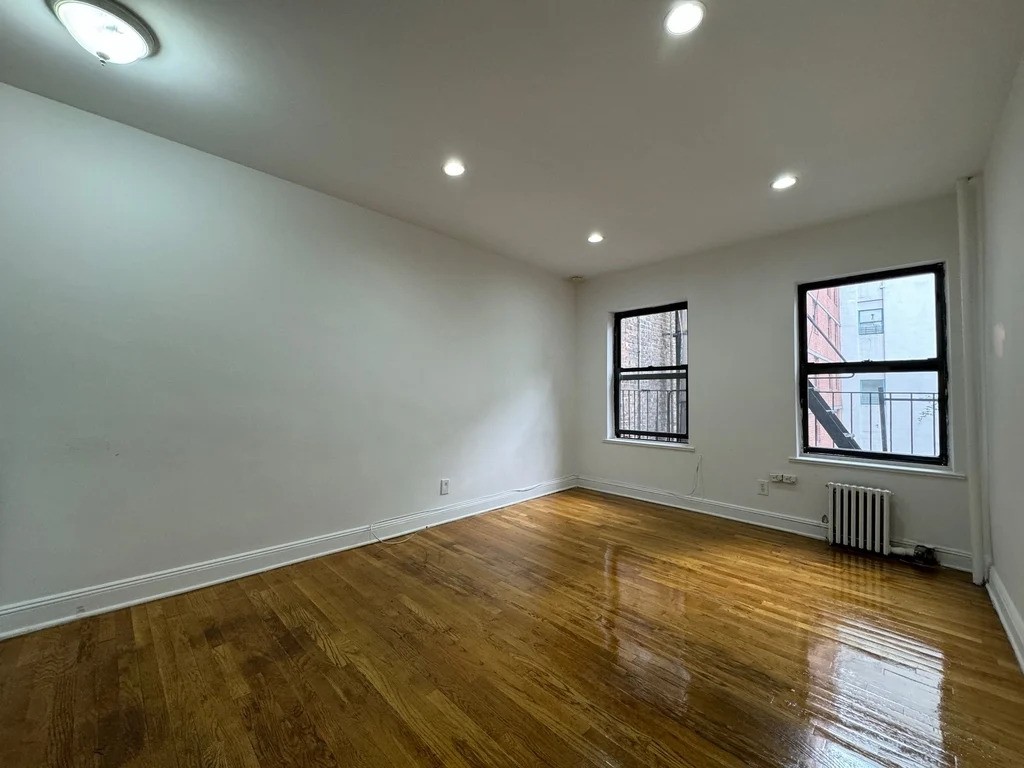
[(651, 444), (877, 466)]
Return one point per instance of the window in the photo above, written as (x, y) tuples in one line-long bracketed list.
[(651, 398), (870, 321), (879, 393), (869, 391)]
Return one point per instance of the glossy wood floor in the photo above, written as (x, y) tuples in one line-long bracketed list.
[(572, 630)]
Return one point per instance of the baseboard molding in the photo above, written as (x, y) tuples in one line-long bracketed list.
[(30, 615), (950, 558), (1008, 613), (758, 517)]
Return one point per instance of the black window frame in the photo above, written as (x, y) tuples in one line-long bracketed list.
[(652, 371), (939, 364)]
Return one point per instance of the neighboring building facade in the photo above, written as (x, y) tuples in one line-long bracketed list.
[(824, 344)]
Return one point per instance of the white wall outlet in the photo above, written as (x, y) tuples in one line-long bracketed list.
[(762, 487), (789, 479), (776, 477), (444, 486)]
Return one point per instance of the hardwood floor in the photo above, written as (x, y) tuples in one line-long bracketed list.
[(572, 630)]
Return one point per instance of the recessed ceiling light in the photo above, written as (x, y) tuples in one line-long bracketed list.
[(454, 167), (108, 31), (595, 237), (785, 181), (684, 17)]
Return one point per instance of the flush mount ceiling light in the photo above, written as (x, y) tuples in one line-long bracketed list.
[(684, 17), (108, 31), (454, 167), (784, 181), (595, 237)]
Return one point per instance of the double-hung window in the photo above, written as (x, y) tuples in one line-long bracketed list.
[(873, 366), (870, 321), (650, 370)]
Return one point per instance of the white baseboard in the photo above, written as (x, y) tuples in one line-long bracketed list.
[(1011, 617), (759, 517), (30, 615), (950, 558)]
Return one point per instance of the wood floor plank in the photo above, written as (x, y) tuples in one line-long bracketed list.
[(49, 671), (431, 645), (208, 681), (60, 747), (86, 744), (154, 698), (573, 630), (281, 731)]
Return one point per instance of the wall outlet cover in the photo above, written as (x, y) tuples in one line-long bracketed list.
[(762, 487)]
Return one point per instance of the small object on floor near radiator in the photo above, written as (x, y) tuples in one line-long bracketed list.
[(923, 556)]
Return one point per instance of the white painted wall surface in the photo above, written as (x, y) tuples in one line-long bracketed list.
[(1004, 332), (742, 321), (197, 359)]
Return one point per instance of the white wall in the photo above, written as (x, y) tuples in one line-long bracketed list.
[(197, 359), (1004, 295), (743, 417)]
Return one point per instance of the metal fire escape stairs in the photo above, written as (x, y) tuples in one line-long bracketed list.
[(822, 411), (829, 420)]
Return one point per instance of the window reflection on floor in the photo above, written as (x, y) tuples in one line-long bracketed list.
[(865, 664)]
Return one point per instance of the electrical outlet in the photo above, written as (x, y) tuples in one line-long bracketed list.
[(789, 479), (444, 486), (776, 477), (762, 487)]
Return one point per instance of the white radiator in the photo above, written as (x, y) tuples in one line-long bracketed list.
[(859, 517)]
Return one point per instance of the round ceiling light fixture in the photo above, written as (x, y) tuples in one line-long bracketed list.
[(685, 17), (454, 167), (108, 31), (784, 181), (595, 238)]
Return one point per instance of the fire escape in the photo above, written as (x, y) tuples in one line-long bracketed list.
[(829, 419), (819, 406)]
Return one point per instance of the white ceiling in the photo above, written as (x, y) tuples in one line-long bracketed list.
[(571, 115)]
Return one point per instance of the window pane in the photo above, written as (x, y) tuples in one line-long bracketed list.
[(869, 391), (653, 340), (887, 319), (653, 405), (883, 413)]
